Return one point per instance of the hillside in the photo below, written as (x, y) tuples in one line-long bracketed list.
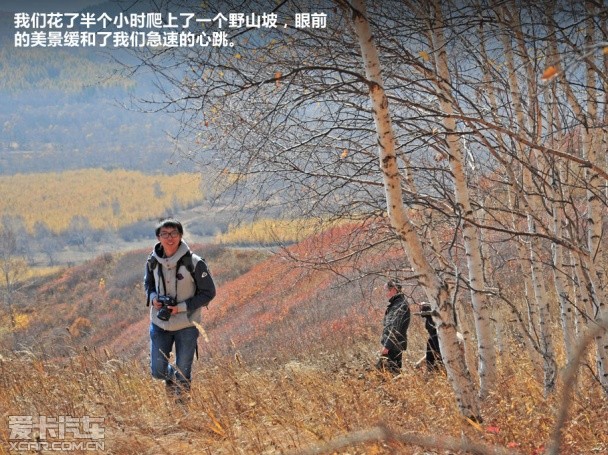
[(99, 302), (96, 303), (285, 367)]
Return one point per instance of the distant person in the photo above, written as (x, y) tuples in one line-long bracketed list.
[(178, 285), (394, 334), (432, 358)]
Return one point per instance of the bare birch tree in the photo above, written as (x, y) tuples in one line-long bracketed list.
[(485, 341), (435, 288)]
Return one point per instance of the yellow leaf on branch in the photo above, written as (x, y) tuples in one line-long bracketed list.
[(549, 73)]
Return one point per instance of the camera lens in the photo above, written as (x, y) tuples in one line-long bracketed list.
[(163, 314)]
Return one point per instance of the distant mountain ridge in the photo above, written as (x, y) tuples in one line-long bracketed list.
[(65, 108)]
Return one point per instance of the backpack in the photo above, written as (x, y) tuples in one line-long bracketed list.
[(186, 260)]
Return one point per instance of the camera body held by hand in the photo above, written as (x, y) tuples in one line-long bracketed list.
[(166, 301)]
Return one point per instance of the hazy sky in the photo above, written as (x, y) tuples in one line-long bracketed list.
[(61, 6)]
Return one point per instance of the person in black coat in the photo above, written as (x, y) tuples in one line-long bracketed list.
[(433, 353), (394, 334)]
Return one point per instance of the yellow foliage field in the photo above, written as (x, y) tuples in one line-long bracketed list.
[(271, 231), (109, 199)]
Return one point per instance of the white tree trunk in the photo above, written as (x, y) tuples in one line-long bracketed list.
[(515, 195), (483, 326), (560, 274), (592, 284), (544, 314), (567, 310), (436, 290), (531, 204), (579, 320), (596, 214)]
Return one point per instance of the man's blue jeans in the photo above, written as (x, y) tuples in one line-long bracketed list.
[(161, 343)]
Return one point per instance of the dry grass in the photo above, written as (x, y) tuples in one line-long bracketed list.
[(296, 407), (286, 370), (274, 231)]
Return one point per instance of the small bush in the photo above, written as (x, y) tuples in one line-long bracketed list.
[(137, 231)]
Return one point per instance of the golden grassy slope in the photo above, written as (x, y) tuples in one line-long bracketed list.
[(285, 369), (272, 231), (108, 199), (240, 408)]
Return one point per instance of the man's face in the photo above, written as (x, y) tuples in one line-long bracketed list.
[(170, 239), (390, 291)]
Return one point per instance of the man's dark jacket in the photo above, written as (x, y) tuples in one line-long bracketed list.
[(396, 321)]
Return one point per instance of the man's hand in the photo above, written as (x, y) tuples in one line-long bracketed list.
[(173, 308), (384, 351)]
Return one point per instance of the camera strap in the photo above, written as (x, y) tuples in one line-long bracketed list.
[(161, 278)]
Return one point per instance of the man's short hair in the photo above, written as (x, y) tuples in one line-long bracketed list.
[(169, 223), (390, 284)]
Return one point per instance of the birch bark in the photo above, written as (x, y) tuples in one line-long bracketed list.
[(590, 268), (483, 326), (596, 212), (435, 288), (532, 211)]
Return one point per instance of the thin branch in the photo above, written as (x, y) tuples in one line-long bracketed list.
[(382, 433)]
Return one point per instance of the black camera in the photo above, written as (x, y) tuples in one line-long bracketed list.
[(165, 313)]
